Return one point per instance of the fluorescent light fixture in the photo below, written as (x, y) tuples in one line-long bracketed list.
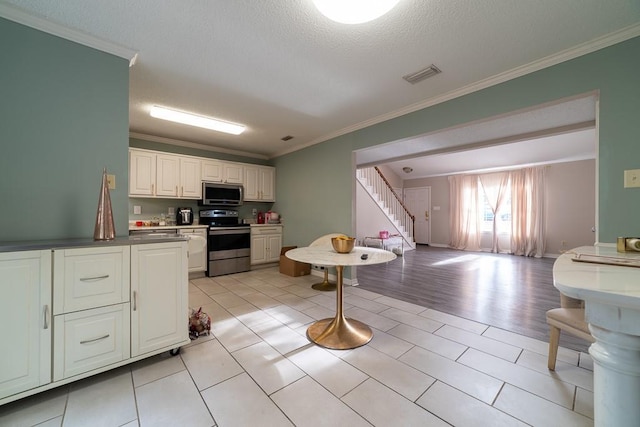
[(195, 120), (354, 11)]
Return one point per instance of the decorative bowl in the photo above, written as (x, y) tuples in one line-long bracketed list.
[(343, 245)]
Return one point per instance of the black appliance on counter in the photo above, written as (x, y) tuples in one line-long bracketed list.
[(228, 242), (184, 216)]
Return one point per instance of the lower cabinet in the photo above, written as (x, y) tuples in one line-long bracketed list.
[(159, 296), (25, 321), (266, 243), (90, 339), (112, 305)]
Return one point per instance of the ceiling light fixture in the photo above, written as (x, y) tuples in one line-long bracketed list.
[(407, 169), (195, 120), (354, 11)]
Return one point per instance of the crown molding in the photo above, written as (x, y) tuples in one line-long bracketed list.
[(557, 58), (39, 23), (170, 141)]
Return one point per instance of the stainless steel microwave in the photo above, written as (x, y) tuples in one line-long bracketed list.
[(218, 194)]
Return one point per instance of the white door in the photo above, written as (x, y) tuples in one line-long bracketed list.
[(418, 201), (25, 321), (159, 296)]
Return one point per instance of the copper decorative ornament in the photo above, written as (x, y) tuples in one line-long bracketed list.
[(105, 229)]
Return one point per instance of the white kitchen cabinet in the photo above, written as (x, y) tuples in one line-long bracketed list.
[(190, 180), (266, 243), (222, 171), (91, 308), (142, 173), (112, 305), (90, 339), (157, 174), (259, 183), (212, 170), (159, 291), (167, 175), (233, 172), (25, 321), (86, 278)]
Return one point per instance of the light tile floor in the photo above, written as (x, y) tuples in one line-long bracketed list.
[(422, 368)]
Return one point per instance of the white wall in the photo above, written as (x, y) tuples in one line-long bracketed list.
[(369, 218)]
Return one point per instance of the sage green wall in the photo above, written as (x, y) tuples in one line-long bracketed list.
[(308, 177), (64, 115), (314, 188)]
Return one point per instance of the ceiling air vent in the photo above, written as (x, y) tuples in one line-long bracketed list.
[(425, 73), (286, 138)]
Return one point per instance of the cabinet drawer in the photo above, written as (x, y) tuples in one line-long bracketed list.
[(263, 230), (89, 278), (90, 339)]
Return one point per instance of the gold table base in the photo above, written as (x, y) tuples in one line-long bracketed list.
[(325, 285), (339, 333)]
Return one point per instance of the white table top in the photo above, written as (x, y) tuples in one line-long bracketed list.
[(609, 284), (325, 255)]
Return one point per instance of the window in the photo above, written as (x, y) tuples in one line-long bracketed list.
[(503, 224)]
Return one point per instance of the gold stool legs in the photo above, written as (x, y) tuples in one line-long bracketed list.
[(324, 285)]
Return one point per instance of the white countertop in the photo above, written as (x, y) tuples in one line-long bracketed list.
[(325, 255), (608, 284)]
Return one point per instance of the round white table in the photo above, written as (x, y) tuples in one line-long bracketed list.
[(612, 308), (339, 332)]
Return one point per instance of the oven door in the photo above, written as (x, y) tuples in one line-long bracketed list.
[(229, 242)]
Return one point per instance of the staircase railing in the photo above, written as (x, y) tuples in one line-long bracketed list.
[(379, 184)]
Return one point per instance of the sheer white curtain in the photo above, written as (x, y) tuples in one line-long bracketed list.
[(496, 190), (527, 212), (466, 205), (464, 210)]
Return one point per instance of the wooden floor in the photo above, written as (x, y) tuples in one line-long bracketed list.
[(506, 291)]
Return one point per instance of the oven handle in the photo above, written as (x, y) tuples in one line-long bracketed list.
[(227, 231)]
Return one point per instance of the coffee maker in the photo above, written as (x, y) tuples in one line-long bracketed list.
[(184, 216)]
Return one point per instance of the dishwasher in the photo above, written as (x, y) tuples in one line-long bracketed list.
[(197, 248)]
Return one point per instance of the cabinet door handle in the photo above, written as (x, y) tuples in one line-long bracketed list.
[(89, 279), (181, 191), (135, 302), (95, 339), (46, 316), (153, 189)]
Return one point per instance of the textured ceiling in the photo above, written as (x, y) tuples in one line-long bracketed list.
[(281, 68)]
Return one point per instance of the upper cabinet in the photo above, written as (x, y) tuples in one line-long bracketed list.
[(142, 173), (166, 175), (153, 174), (190, 182), (221, 171), (259, 183)]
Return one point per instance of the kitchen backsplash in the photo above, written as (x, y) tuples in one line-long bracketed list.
[(155, 207)]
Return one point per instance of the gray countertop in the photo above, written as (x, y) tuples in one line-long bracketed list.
[(33, 245), (165, 227)]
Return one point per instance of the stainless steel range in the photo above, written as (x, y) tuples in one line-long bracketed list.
[(229, 242)]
